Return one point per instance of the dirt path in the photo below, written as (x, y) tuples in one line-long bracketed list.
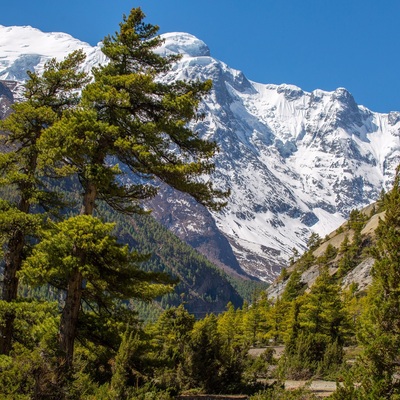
[(257, 351), (320, 388)]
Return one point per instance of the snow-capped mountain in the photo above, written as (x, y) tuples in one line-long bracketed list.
[(295, 162), (25, 48)]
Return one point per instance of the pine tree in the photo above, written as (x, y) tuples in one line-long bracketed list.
[(228, 327), (323, 310), (129, 115), (171, 341), (109, 273), (313, 241), (47, 97), (212, 365), (204, 357), (320, 325), (293, 288), (278, 318), (251, 323), (119, 381)]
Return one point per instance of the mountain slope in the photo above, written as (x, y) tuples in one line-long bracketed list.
[(202, 286), (296, 162), (350, 261)]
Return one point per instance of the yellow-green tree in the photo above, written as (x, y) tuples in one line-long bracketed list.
[(319, 329)]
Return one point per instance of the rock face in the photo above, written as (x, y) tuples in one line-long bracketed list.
[(192, 223), (8, 94), (296, 162), (361, 275)]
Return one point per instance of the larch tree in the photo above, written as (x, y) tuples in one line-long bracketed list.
[(46, 98), (320, 326), (294, 287), (128, 121), (228, 326)]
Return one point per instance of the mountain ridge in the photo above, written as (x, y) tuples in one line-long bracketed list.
[(296, 162)]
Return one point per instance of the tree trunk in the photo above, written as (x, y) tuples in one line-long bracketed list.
[(12, 264), (89, 199), (13, 261), (69, 322), (70, 313)]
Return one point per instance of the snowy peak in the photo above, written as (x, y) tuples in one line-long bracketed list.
[(183, 43), (25, 48), (296, 162), (290, 92)]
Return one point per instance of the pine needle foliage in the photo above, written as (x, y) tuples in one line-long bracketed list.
[(46, 97)]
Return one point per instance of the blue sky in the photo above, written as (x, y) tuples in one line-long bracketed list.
[(314, 44)]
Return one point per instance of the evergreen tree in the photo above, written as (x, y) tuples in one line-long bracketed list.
[(323, 310), (357, 220), (319, 328), (263, 305), (345, 245), (279, 320), (204, 358), (170, 337), (293, 288), (47, 97), (228, 326), (214, 366), (380, 323), (251, 324), (28, 371), (313, 241), (294, 257), (128, 114), (109, 273), (121, 373), (328, 255), (278, 316)]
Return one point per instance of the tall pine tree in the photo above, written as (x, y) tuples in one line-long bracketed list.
[(128, 120), (109, 274), (47, 97)]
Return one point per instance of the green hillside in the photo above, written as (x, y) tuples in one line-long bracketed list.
[(203, 288)]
